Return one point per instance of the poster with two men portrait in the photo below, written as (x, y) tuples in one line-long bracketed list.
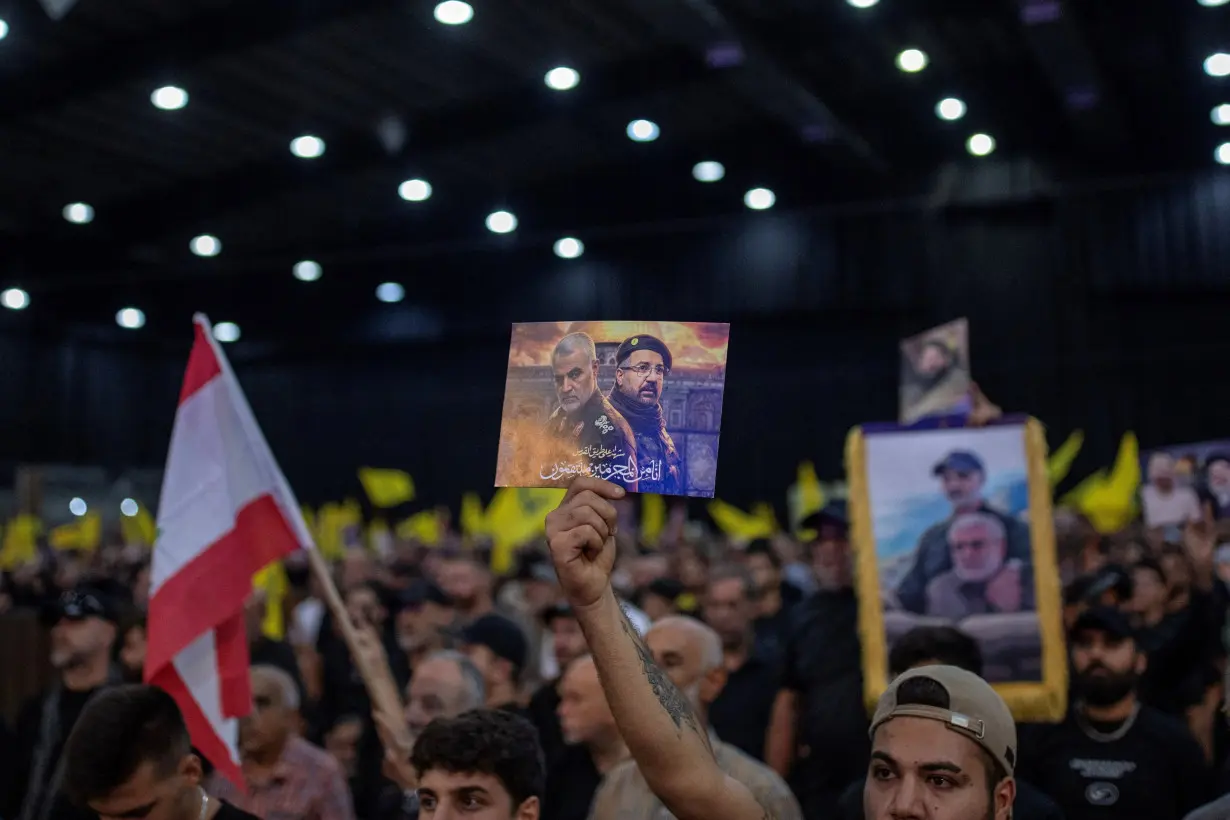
[(635, 403), (953, 527)]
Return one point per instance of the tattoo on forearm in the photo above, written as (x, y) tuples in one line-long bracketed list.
[(673, 701)]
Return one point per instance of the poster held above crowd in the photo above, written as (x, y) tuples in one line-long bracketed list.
[(638, 404)]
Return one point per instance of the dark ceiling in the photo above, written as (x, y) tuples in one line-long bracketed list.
[(800, 96)]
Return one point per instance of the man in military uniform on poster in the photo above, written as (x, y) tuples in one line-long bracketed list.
[(642, 365), (596, 433)]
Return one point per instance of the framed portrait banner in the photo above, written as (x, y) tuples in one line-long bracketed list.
[(953, 527)]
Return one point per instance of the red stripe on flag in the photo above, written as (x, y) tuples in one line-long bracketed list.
[(203, 365), (235, 684), (204, 737), (211, 588)]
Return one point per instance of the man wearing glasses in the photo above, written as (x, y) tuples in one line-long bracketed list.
[(642, 365)]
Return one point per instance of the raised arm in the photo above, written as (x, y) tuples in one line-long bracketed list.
[(669, 743)]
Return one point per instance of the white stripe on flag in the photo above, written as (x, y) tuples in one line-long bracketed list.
[(197, 665)]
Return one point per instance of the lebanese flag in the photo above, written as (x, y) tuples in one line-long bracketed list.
[(225, 513)]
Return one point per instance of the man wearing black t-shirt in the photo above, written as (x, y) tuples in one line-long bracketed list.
[(129, 756), (1114, 757)]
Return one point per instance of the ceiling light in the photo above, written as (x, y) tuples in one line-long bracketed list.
[(950, 109), (78, 213), (390, 292), (307, 147), (454, 12), (569, 248), (131, 318), (78, 507), (980, 144), (129, 507), (1212, 4), (307, 270), (759, 199), (226, 332), (911, 60), (206, 245), (414, 190), (4, 29), (1221, 114), (169, 98), (708, 171), (501, 222), (15, 299), (643, 131), (1217, 65), (562, 78), (862, 4), (1223, 153)]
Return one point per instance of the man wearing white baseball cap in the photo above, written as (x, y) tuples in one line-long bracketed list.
[(943, 748)]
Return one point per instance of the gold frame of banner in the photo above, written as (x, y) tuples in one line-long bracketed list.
[(1044, 701)]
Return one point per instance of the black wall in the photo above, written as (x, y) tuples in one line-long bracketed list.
[(1100, 308)]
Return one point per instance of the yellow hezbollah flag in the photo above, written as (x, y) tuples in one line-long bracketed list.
[(272, 579), (517, 515), (653, 517), (332, 522), (740, 525), (423, 527), (805, 496), (139, 528), (1060, 462), (20, 541), (1109, 500), (83, 534), (386, 488), (473, 516)]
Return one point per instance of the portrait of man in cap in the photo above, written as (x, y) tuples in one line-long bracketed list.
[(642, 364)]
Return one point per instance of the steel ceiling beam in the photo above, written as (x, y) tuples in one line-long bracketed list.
[(763, 78), (167, 52), (1057, 43)]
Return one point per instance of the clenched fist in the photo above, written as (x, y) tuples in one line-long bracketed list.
[(581, 535)]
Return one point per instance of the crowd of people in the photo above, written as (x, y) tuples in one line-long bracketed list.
[(747, 656)]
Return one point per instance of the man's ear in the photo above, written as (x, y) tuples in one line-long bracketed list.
[(529, 809), (1004, 796), (712, 684), (190, 769)]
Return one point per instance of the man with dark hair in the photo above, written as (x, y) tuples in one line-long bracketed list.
[(500, 650), (947, 646), (484, 764), (642, 364), (129, 756), (943, 747)]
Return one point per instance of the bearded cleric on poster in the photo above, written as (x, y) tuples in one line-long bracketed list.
[(635, 403)]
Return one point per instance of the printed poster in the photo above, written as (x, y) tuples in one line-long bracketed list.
[(935, 375), (636, 403)]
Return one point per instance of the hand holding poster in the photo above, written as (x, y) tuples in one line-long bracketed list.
[(953, 527), (635, 403)]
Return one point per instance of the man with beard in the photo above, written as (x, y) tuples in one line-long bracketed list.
[(642, 365), (83, 635), (594, 431), (962, 478), (1114, 757), (981, 580)]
